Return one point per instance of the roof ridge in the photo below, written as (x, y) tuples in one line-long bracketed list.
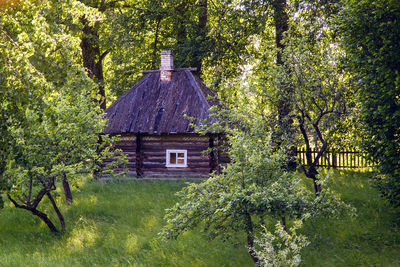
[(199, 91), (176, 69)]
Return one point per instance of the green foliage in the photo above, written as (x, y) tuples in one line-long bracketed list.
[(329, 203), (281, 248), (49, 124), (371, 38), (136, 31), (371, 238), (61, 139), (255, 183), (255, 188)]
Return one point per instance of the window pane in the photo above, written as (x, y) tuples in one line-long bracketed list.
[(181, 155), (181, 161), (172, 158)]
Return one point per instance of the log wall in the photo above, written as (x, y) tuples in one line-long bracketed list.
[(128, 146), (153, 154), (147, 154)]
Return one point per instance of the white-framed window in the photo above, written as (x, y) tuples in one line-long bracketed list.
[(176, 158)]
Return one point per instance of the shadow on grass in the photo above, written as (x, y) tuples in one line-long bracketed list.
[(115, 223), (372, 238)]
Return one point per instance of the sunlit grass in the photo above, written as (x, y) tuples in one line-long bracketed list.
[(114, 224), (117, 224)]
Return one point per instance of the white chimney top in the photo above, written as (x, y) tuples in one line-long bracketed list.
[(167, 65)]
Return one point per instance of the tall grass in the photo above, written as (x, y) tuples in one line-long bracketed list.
[(116, 224), (372, 238), (113, 224)]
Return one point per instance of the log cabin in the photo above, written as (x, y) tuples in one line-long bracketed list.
[(152, 120)]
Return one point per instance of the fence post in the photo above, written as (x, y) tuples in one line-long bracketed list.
[(334, 159)]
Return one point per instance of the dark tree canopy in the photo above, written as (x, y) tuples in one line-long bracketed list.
[(371, 33)]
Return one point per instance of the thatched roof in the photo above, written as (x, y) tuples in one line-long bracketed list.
[(159, 107)]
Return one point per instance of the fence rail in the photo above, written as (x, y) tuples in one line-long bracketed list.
[(336, 159)]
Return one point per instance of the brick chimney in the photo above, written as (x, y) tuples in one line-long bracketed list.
[(167, 66)]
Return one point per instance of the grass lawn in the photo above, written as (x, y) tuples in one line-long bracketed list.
[(116, 224), (370, 239)]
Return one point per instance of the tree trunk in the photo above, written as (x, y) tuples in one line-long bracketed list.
[(67, 191), (181, 34), (92, 59), (281, 26), (317, 187), (281, 19), (202, 26), (250, 239), (284, 222), (312, 172), (45, 219), (309, 169), (59, 215), (155, 55), (285, 123), (37, 213)]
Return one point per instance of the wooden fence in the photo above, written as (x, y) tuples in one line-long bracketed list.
[(336, 159)]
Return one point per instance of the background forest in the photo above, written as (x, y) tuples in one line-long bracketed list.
[(312, 74)]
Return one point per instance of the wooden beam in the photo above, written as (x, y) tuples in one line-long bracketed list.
[(178, 69), (139, 158), (211, 155)]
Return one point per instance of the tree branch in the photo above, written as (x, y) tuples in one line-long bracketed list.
[(105, 53)]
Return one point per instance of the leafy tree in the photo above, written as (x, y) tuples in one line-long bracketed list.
[(319, 97), (371, 39), (53, 144), (254, 185), (38, 55), (49, 126), (257, 187), (321, 93), (254, 189)]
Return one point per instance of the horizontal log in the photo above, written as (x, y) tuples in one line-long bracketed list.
[(187, 169), (121, 169), (175, 142), (127, 149), (163, 159), (127, 143), (181, 147), (175, 170), (200, 175), (128, 139), (163, 150), (176, 69), (177, 146), (174, 137), (192, 166), (193, 157), (163, 163), (190, 162), (130, 154)]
